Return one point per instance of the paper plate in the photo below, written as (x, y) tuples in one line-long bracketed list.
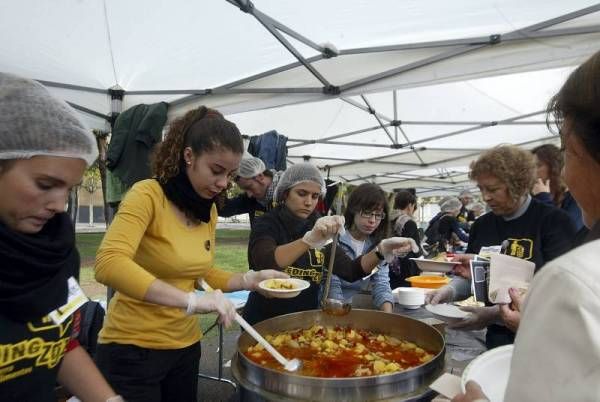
[(434, 266), (446, 312), (491, 370), (298, 286)]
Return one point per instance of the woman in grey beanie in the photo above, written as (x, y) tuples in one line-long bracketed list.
[(290, 238)]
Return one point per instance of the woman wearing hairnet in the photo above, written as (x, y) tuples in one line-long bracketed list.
[(532, 230), (44, 149), (160, 243), (290, 238), (557, 348)]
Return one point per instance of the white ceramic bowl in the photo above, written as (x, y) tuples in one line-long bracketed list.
[(298, 284), (410, 298), (491, 370)]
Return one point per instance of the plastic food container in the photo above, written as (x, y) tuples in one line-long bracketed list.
[(428, 281)]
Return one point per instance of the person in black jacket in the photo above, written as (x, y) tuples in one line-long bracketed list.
[(465, 216), (550, 187), (44, 150), (444, 231), (403, 224), (258, 185), (533, 231), (290, 238)]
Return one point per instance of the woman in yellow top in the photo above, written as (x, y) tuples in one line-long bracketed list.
[(160, 243)]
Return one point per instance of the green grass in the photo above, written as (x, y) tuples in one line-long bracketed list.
[(88, 243), (230, 257)]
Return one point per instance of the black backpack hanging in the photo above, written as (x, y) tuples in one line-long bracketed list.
[(92, 319)]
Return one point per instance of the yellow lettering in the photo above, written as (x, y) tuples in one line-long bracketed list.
[(15, 374), (47, 353), (313, 274)]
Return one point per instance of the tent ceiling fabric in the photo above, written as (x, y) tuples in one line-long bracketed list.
[(417, 89)]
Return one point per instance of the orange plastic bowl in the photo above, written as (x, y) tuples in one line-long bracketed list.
[(428, 281)]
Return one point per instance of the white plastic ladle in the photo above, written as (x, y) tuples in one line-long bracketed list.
[(289, 365)]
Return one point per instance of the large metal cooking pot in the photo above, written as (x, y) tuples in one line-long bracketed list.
[(275, 385)]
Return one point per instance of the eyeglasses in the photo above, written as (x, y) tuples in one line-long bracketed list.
[(368, 214)]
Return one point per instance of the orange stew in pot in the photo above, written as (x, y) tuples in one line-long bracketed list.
[(341, 352)]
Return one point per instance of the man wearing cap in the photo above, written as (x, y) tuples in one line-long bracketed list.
[(258, 184)]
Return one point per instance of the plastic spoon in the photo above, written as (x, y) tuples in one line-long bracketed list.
[(289, 365), (333, 306)]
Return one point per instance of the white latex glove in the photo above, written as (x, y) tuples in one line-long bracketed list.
[(479, 318), (397, 246), (211, 302), (323, 230), (251, 279), (444, 294)]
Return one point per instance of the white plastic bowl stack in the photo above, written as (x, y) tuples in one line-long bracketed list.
[(409, 298)]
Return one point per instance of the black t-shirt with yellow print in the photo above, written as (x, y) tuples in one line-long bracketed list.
[(541, 234), (279, 226), (30, 355)]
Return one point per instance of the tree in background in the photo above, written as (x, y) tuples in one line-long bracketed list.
[(91, 182)]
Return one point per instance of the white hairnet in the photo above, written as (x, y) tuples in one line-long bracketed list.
[(444, 199), (33, 122), (250, 167), (475, 206), (296, 174), (465, 193), (451, 204)]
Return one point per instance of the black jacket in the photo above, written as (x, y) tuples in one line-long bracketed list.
[(135, 133), (279, 227)]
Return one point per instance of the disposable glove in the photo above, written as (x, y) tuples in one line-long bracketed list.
[(324, 230), (444, 294), (479, 318), (211, 302), (251, 279), (397, 246)]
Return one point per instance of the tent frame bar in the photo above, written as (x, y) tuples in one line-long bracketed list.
[(518, 35), (88, 111), (494, 39), (408, 145)]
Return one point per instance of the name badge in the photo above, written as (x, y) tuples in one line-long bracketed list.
[(75, 300)]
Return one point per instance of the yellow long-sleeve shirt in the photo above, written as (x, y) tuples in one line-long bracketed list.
[(147, 241)]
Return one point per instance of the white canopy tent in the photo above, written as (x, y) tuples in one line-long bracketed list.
[(403, 93)]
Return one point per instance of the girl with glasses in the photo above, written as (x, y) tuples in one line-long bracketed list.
[(366, 226)]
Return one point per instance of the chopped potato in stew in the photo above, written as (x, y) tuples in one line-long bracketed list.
[(341, 352), (279, 284)]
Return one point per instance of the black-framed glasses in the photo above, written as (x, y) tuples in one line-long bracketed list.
[(368, 214)]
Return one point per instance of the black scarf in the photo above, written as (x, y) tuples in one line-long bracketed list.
[(295, 225), (34, 269), (180, 192)]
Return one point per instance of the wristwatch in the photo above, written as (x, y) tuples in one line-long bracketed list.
[(378, 253)]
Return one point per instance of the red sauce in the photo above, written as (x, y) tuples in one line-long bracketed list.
[(341, 362)]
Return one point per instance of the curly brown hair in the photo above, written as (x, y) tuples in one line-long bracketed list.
[(510, 164), (551, 156), (202, 130)]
